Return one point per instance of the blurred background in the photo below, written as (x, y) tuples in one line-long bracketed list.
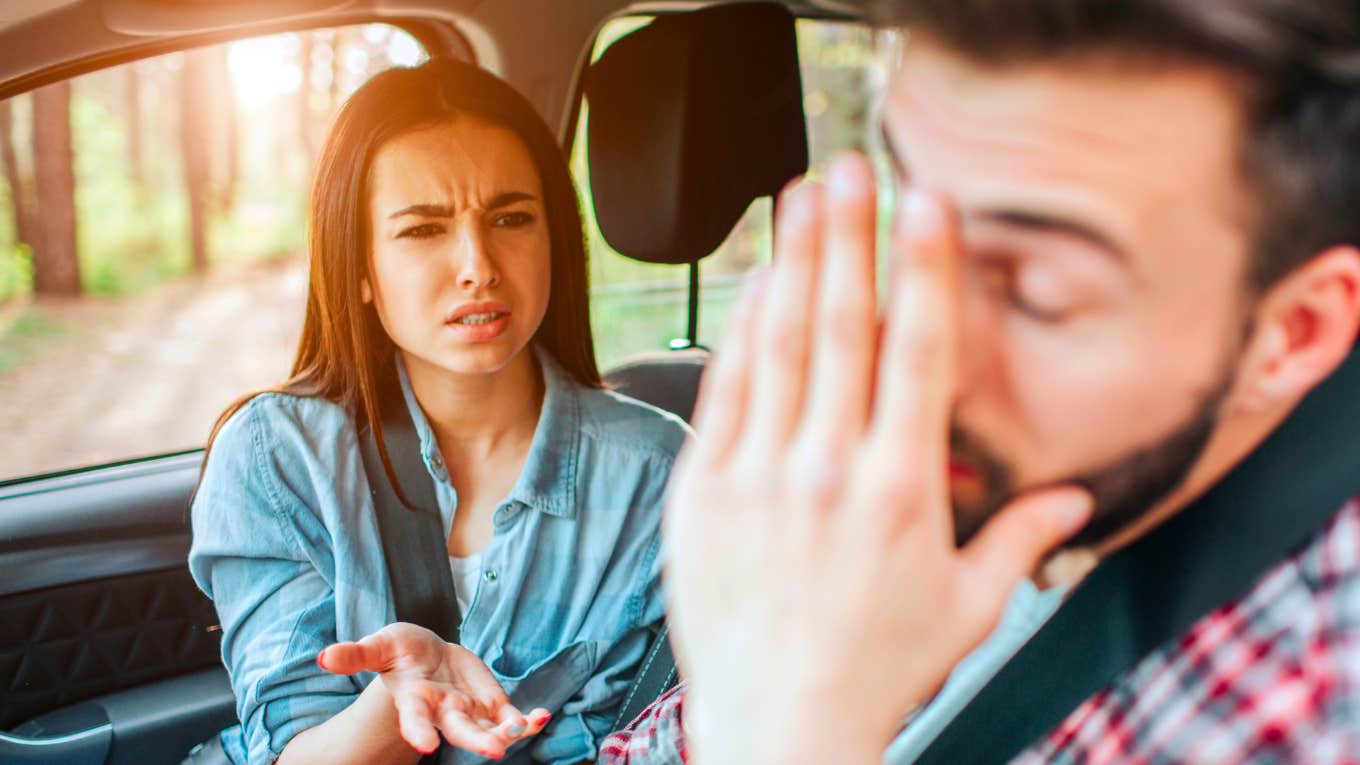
[(153, 234)]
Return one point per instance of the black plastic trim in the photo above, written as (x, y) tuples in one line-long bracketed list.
[(156, 722)]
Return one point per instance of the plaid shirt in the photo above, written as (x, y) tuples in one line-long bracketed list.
[(1271, 678)]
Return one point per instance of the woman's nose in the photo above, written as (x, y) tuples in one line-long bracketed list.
[(473, 262)]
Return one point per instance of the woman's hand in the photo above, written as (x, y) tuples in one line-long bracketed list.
[(437, 688), (817, 590)]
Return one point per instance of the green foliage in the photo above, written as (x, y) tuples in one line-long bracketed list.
[(30, 329), (647, 317), (268, 224), (16, 260), (128, 239), (16, 271)]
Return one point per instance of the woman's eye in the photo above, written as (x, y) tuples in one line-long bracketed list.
[(512, 220), (422, 231)]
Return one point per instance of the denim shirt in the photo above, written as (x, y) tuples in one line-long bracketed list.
[(285, 542)]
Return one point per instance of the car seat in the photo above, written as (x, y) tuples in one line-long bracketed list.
[(692, 118)]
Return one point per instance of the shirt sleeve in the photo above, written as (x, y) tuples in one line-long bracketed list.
[(276, 609), (656, 737)]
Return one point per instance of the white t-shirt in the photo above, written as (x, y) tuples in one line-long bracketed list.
[(467, 572)]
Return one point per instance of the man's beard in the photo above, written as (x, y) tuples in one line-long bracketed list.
[(1124, 489)]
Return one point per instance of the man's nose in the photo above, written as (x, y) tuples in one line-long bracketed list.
[(473, 261)]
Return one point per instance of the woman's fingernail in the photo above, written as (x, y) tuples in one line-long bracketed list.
[(321, 660)]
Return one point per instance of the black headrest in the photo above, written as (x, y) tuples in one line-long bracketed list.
[(691, 118)]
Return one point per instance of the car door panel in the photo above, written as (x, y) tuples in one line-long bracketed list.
[(108, 651)]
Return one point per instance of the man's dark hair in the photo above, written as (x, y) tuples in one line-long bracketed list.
[(1297, 61)]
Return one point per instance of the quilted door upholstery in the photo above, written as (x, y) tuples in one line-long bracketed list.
[(62, 645)]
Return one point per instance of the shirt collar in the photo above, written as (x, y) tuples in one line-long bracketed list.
[(548, 480)]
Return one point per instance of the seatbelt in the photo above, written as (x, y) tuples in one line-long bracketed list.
[(1153, 591), (413, 540), (656, 677)]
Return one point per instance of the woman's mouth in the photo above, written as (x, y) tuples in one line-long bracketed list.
[(474, 319), (479, 322)]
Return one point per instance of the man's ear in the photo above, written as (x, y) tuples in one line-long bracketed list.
[(365, 291), (1305, 326)]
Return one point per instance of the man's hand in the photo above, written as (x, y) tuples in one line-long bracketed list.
[(817, 591), (437, 688)]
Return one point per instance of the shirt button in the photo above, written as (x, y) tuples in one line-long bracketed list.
[(437, 460), (490, 575)]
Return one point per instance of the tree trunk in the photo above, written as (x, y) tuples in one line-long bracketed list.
[(194, 135), (132, 98), (337, 67), (20, 187), (231, 158), (304, 102), (56, 270)]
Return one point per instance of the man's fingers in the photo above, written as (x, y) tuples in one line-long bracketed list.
[(916, 370), (786, 320), (845, 335), (719, 413), (1013, 542)]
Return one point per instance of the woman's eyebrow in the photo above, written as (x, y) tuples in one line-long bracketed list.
[(429, 210)]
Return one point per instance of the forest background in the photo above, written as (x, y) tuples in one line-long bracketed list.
[(153, 234)]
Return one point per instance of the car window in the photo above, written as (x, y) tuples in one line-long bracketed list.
[(640, 307), (152, 236)]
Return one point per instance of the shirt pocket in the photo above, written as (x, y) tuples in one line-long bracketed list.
[(548, 682)]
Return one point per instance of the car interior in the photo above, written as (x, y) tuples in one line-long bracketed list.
[(108, 651)]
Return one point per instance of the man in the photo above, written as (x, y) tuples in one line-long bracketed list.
[(1126, 251)]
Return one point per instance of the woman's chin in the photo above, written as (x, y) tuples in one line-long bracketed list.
[(479, 360)]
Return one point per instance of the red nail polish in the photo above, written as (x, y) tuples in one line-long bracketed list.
[(320, 660)]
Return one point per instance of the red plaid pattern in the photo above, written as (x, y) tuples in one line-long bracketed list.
[(1271, 678), (654, 738)]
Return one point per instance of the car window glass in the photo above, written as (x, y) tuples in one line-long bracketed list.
[(152, 237), (641, 307)]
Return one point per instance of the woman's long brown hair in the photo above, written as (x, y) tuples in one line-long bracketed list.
[(344, 355)]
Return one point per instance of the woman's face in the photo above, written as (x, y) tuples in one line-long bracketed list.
[(460, 251)]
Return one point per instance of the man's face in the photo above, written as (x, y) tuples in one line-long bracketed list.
[(1105, 230)]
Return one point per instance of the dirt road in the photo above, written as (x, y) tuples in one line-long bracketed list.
[(108, 379)]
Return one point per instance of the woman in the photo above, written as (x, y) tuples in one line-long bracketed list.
[(447, 266)]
